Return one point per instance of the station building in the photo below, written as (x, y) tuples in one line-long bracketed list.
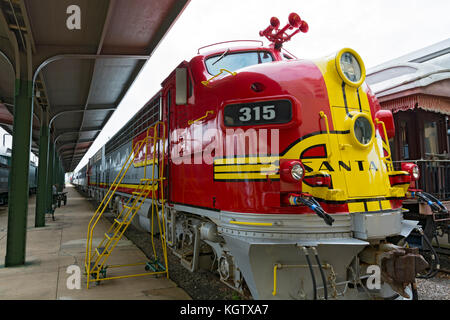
[(416, 88)]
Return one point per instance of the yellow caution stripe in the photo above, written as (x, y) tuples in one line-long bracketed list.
[(246, 169), (127, 186), (143, 163), (246, 160)]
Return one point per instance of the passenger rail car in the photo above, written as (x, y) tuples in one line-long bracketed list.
[(79, 179), (279, 174), (5, 165)]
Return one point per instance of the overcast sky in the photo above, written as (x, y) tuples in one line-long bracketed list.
[(379, 30)]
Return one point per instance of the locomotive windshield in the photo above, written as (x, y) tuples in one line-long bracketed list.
[(235, 61)]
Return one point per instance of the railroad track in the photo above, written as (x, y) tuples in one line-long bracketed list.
[(444, 253)]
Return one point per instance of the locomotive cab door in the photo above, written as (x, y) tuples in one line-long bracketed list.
[(190, 179), (167, 116), (177, 133)]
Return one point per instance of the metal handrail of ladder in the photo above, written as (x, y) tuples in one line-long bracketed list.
[(105, 202), (95, 265), (108, 196)]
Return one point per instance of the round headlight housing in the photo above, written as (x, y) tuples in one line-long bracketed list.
[(291, 170), (350, 67), (412, 169), (361, 128), (297, 172)]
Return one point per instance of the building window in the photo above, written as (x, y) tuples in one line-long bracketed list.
[(431, 142), (392, 148), (404, 140)]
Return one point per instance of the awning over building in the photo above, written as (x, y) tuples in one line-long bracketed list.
[(424, 102)]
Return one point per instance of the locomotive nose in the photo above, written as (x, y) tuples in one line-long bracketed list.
[(355, 149)]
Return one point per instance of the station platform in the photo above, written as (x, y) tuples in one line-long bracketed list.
[(61, 243)]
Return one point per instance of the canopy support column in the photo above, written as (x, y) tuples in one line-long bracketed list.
[(20, 162), (41, 194), (50, 177)]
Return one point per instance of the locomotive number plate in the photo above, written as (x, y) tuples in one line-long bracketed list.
[(255, 113)]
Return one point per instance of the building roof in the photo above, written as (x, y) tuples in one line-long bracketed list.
[(423, 76)]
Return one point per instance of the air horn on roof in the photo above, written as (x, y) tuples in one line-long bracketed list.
[(279, 36)]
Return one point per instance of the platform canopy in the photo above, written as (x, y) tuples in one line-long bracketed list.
[(81, 70)]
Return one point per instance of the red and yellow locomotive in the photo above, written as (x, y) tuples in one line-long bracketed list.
[(278, 173)]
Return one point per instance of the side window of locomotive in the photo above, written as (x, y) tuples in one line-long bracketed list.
[(235, 61), (191, 89)]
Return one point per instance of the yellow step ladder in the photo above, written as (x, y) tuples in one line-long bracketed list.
[(95, 260)]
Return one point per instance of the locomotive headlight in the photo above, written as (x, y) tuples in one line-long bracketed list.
[(361, 128), (415, 173), (291, 171), (350, 67), (297, 172), (412, 169)]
